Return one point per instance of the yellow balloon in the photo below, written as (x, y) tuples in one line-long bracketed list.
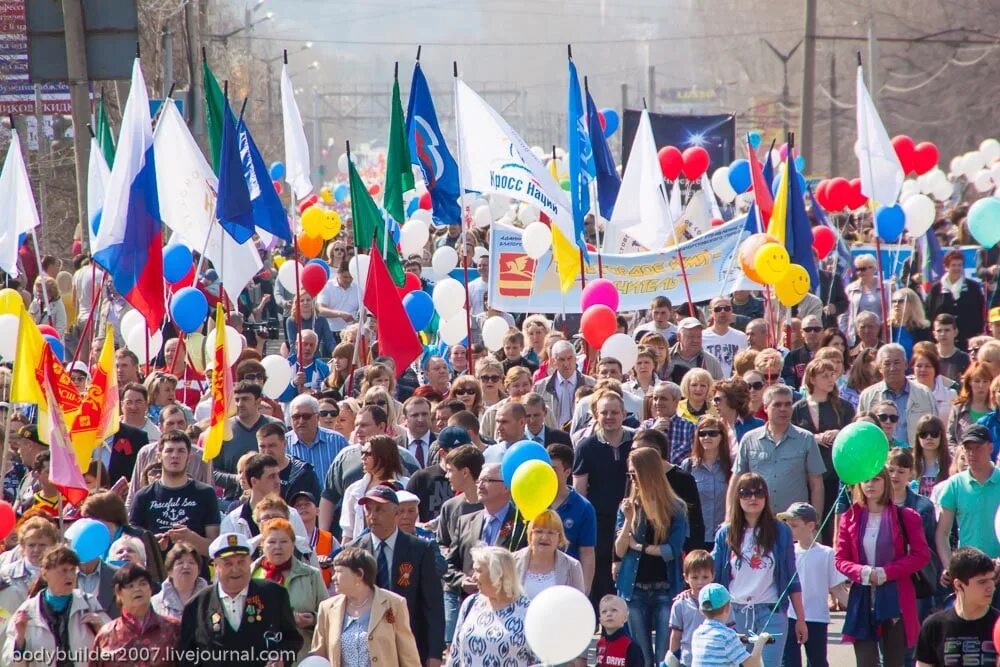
[(533, 488), (331, 225), (793, 287), (278, 261), (194, 344), (10, 301), (326, 194), (771, 263), (312, 221)]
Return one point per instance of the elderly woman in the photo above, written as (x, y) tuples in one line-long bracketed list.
[(458, 360), (34, 537), (304, 583), (182, 582), (382, 464), (863, 295), (109, 508), (926, 364), (908, 323), (467, 389), (127, 549), (57, 603), (542, 563), (363, 625), (695, 386), (489, 372), (490, 627), (731, 400), (139, 635)]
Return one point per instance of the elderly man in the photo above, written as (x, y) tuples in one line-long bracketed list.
[(538, 426), (309, 373), (437, 375), (688, 352), (560, 388), (911, 399), (867, 332), (757, 335), (794, 368), (310, 442), (786, 456), (722, 341)]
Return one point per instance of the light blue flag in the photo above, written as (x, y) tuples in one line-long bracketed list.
[(581, 158)]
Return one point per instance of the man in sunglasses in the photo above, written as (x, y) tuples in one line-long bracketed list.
[(794, 368), (911, 399), (722, 340)]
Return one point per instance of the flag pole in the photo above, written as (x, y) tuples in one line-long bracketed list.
[(595, 203), (34, 243), (466, 213), (355, 357)]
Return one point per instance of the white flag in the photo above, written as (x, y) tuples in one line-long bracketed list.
[(98, 175), (20, 215), (706, 189), (187, 187), (297, 167), (881, 174), (676, 201)]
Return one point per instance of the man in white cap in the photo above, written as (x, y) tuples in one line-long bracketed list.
[(79, 374), (688, 352)]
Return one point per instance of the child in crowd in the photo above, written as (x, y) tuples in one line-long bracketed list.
[(615, 648), (714, 643), (819, 577), (685, 615)]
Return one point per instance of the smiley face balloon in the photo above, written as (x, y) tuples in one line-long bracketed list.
[(771, 263), (793, 287), (748, 251)]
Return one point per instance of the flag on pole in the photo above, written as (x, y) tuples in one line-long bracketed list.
[(297, 165), (675, 202), (369, 223), (64, 469), (396, 337), (98, 175), (709, 194), (215, 107), (429, 151), (268, 211), (98, 417), (102, 132), (27, 375), (761, 183), (932, 258), (398, 170), (581, 159), (223, 408), (20, 215), (129, 243), (790, 222), (608, 181), (233, 207), (881, 173)]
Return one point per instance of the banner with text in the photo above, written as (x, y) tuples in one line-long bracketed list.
[(519, 284)]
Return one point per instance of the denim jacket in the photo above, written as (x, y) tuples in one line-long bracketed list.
[(669, 551), (784, 563)]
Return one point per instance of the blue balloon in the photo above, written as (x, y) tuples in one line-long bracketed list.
[(57, 346), (419, 308), (23, 236), (739, 176), (754, 138), (277, 171), (341, 192), (89, 538), (518, 453), (889, 222), (776, 185), (189, 308), (800, 163), (611, 121), (177, 262), (321, 262)]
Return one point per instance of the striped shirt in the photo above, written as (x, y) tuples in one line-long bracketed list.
[(715, 645), (320, 453)]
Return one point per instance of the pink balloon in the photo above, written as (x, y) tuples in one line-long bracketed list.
[(600, 291), (783, 152)]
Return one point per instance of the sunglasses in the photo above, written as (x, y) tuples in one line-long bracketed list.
[(465, 392), (887, 418), (722, 309), (716, 399), (708, 434), (329, 413), (489, 378), (753, 493), (812, 329), (301, 417), (756, 386), (930, 434), (862, 269), (897, 302)]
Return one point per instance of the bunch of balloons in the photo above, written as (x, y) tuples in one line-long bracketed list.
[(837, 194), (766, 261), (527, 472), (609, 120), (913, 157), (693, 162)]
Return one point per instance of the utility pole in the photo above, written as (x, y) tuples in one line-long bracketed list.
[(872, 57), (834, 157), (193, 16), (651, 87), (624, 97), (807, 114), (786, 100), (168, 61), (76, 70), (44, 158)]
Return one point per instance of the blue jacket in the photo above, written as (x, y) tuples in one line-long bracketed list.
[(992, 422), (784, 563), (670, 552)]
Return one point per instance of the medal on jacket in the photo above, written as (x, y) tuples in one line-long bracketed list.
[(216, 622)]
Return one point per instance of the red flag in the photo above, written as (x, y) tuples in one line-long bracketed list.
[(761, 191), (64, 472), (396, 337)]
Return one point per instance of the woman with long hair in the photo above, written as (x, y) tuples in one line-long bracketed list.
[(879, 547), (380, 396), (304, 310), (378, 375), (862, 375), (658, 344), (695, 386), (838, 359), (931, 457), (972, 402), (343, 423), (382, 464), (467, 389), (340, 368), (926, 364), (755, 559), (731, 401), (651, 527), (754, 380), (836, 339), (517, 383), (908, 323), (489, 372), (711, 465)]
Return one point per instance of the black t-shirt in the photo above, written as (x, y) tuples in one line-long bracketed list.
[(158, 508), (946, 640), (952, 367), (605, 467), (432, 487)]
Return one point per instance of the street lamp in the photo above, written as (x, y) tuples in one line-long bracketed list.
[(313, 65)]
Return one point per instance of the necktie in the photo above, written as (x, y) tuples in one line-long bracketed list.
[(491, 531), (538, 439), (382, 577), (418, 452)]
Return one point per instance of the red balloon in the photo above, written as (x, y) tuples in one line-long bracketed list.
[(602, 120), (925, 157), (597, 324), (7, 519), (374, 189), (838, 194), (857, 199), (904, 151), (307, 202), (49, 330), (425, 201), (823, 240), (591, 247), (186, 281), (716, 222), (411, 283), (996, 633), (671, 162), (277, 186), (821, 194), (312, 278), (696, 161)]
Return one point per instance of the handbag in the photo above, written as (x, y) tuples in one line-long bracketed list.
[(924, 579)]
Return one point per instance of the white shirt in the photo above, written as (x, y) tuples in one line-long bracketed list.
[(869, 541), (390, 546), (818, 574), (753, 576), (565, 389), (83, 288), (352, 515), (724, 347), (233, 606), (336, 297)]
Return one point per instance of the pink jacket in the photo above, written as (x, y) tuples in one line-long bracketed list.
[(848, 560)]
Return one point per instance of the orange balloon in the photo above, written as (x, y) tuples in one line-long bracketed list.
[(748, 251), (310, 246)]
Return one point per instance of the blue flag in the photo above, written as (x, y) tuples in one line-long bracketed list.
[(268, 212), (581, 158), (933, 257), (232, 207), (798, 231), (608, 180), (768, 171), (429, 151)]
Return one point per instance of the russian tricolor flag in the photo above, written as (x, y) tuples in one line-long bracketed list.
[(129, 241)]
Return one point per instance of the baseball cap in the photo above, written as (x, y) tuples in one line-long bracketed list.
[(302, 494), (79, 367), (713, 597), (229, 544), (451, 437), (690, 323), (994, 315), (976, 434), (30, 432), (803, 511), (381, 494), (406, 497)]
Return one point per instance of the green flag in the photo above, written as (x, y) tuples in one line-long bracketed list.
[(398, 171), (102, 132), (369, 222), (215, 105)]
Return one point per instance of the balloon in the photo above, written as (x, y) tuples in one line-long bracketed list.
[(783, 151), (559, 624), (342, 163), (943, 191), (925, 157), (611, 121), (425, 201), (754, 138), (537, 239), (820, 194), (279, 375), (89, 538), (310, 246), (971, 163), (326, 194), (419, 308), (920, 213), (984, 221), (10, 301), (314, 661), (748, 250), (313, 279), (130, 320), (599, 291), (671, 162), (422, 215), (48, 330), (528, 214), (357, 266), (889, 222), (135, 340), (793, 287), (857, 199), (499, 205), (9, 325), (277, 186), (189, 308), (286, 275), (838, 194), (904, 147), (521, 452), (564, 184), (411, 283), (177, 262), (312, 221), (623, 348), (494, 330), (413, 237), (696, 161), (483, 216), (322, 263), (533, 488), (277, 171), (983, 180), (990, 150), (7, 519), (234, 344), (597, 324), (739, 176), (860, 451), (602, 120), (57, 346), (771, 263), (455, 329), (444, 260), (824, 240), (723, 188), (910, 188), (800, 164), (341, 192), (374, 189), (449, 297), (311, 200)]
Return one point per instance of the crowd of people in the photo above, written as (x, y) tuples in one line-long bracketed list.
[(362, 515)]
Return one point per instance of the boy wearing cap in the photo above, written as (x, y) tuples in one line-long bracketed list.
[(714, 644), (819, 576)]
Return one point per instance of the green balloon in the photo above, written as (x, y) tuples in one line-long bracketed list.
[(565, 185), (859, 452)]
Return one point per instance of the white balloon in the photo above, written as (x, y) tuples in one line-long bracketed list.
[(129, 321), (527, 214), (943, 191), (623, 348), (342, 163), (920, 212), (910, 187), (499, 205), (9, 325), (775, 157), (444, 261), (971, 163), (494, 329), (448, 298), (936, 176), (537, 239), (413, 237), (279, 375), (483, 216), (990, 150), (135, 340), (468, 200), (983, 180), (286, 275), (559, 624), (453, 330), (358, 268), (507, 218), (234, 345), (560, 153), (995, 172), (423, 215), (720, 183), (314, 661), (538, 151)]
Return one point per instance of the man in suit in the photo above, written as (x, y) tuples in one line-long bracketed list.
[(536, 411), (559, 389), (417, 436), (239, 620), (405, 567)]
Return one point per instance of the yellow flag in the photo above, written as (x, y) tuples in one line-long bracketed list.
[(28, 372), (98, 417), (779, 214), (567, 257), (222, 392)]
